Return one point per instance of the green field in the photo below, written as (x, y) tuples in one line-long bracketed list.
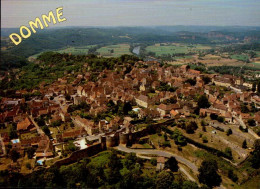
[(76, 50), (73, 50), (253, 183), (160, 49), (255, 65), (114, 50), (241, 57)]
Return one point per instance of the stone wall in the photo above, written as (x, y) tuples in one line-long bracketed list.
[(80, 154), (111, 141)]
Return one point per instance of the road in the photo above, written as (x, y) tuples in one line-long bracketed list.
[(250, 131), (165, 154), (2, 145), (180, 168), (160, 153), (241, 151), (39, 130)]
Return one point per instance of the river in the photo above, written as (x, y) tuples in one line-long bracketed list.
[(136, 50)]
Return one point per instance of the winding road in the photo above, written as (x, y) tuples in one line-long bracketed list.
[(180, 159), (160, 153)]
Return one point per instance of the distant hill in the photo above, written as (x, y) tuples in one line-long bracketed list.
[(50, 39)]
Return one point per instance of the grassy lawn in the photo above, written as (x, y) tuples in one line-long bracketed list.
[(160, 49), (4, 162), (5, 129), (24, 169), (151, 95), (213, 140), (51, 161), (25, 136), (54, 131), (241, 57), (257, 53), (170, 49), (141, 146), (141, 126), (114, 50), (253, 183)]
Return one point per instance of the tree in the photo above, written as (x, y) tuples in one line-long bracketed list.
[(221, 119), (181, 140), (71, 147), (114, 165), (203, 123), (258, 86), (204, 139), (130, 160), (228, 152), (251, 122), (164, 180), (30, 152), (127, 108), (67, 97), (46, 130), (191, 127), (28, 165), (254, 87), (213, 116), (254, 159), (229, 132), (232, 175), (14, 155), (244, 144), (189, 185), (165, 137), (192, 82), (12, 133), (208, 173), (172, 164), (40, 121), (244, 108), (203, 102), (206, 79), (133, 179)]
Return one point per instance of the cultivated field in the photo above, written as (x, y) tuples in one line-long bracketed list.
[(242, 57), (114, 50), (76, 50), (83, 50), (175, 48), (209, 60)]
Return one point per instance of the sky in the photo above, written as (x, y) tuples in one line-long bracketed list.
[(15, 13)]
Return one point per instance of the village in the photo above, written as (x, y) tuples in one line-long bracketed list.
[(72, 116)]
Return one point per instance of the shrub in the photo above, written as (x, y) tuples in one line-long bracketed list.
[(204, 139), (232, 175), (153, 161), (221, 119), (166, 144), (203, 123)]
